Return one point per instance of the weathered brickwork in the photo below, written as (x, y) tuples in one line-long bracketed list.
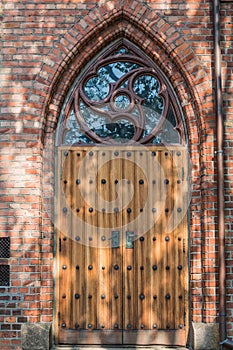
[(226, 46), (45, 44)]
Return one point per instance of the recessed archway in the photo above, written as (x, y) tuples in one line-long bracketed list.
[(174, 57), (122, 202)]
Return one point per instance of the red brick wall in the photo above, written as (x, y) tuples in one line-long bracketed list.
[(45, 44), (227, 54)]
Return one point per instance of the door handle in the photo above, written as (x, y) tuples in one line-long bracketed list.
[(115, 238), (130, 237)]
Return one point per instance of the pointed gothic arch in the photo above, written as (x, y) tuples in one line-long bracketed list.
[(129, 137), (121, 97), (174, 57)]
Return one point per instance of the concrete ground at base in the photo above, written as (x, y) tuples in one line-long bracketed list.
[(157, 347)]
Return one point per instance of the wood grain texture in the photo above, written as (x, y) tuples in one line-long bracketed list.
[(135, 293)]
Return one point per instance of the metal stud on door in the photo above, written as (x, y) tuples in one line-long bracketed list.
[(122, 276)]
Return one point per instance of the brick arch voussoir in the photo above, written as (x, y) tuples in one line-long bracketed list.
[(157, 38)]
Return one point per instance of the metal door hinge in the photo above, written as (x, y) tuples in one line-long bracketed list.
[(58, 318), (182, 173), (184, 246), (130, 238), (59, 244), (115, 238)]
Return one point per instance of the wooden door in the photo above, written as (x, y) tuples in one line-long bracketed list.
[(122, 245)]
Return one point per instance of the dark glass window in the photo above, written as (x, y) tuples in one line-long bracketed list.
[(121, 98)]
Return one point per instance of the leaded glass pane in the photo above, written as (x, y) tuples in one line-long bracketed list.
[(97, 88), (169, 134), (122, 101), (122, 97), (147, 87), (73, 135)]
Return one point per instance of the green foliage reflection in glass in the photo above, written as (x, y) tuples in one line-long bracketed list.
[(97, 88), (120, 131), (122, 101), (122, 97), (147, 87), (73, 135), (169, 133)]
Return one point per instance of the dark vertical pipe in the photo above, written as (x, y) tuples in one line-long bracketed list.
[(220, 172)]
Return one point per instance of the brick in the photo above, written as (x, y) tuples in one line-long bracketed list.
[(44, 47)]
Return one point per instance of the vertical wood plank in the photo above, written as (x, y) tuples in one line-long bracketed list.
[(184, 228), (161, 243), (147, 261), (142, 244), (130, 302), (58, 241), (178, 236), (91, 259), (171, 252), (166, 178), (65, 213), (157, 243), (116, 257), (104, 191), (78, 242)]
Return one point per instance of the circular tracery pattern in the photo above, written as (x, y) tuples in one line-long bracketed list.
[(122, 101), (122, 98)]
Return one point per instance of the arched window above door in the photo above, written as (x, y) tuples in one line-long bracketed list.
[(121, 98)]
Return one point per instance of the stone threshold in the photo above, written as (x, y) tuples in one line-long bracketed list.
[(120, 347)]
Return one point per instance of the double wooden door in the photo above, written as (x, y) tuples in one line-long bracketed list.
[(122, 246)]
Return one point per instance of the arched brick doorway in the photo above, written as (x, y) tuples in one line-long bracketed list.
[(181, 66), (122, 233)]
